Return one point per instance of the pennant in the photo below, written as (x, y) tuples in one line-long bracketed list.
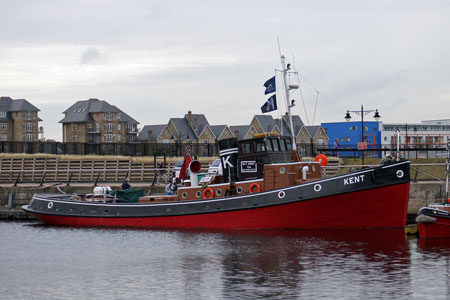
[(187, 161), (271, 104), (270, 86)]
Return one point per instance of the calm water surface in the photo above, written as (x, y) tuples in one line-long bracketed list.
[(41, 262)]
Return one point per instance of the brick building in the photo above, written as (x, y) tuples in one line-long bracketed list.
[(97, 121), (19, 120)]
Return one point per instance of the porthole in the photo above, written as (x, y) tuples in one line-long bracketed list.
[(239, 190), (198, 194), (50, 205), (281, 194), (219, 192), (400, 174), (317, 187), (184, 195), (282, 170)]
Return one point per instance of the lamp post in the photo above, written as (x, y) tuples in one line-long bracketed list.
[(362, 113)]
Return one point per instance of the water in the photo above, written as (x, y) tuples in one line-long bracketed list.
[(41, 262)]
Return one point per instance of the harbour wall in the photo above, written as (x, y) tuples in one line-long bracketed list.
[(13, 197)]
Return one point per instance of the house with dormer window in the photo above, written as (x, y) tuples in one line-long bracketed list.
[(97, 121)]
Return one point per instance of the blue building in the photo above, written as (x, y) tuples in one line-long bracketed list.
[(348, 135)]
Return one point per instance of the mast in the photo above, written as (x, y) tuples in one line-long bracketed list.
[(288, 102)]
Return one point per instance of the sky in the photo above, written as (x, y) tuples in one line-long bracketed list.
[(156, 60)]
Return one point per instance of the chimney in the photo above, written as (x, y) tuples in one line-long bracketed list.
[(195, 123), (190, 117), (278, 121), (236, 133), (150, 134)]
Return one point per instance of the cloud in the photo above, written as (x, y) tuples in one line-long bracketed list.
[(91, 56)]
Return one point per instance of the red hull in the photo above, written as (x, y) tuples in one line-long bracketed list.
[(438, 229), (384, 207)]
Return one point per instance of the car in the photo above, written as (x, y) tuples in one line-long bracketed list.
[(215, 168), (177, 167)]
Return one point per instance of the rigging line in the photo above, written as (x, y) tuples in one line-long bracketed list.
[(300, 90), (326, 98), (303, 100), (315, 108)]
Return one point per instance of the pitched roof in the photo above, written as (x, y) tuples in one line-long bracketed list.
[(296, 122), (266, 122), (156, 132), (183, 128), (312, 130), (218, 130), (243, 130), (9, 104), (200, 124), (81, 111)]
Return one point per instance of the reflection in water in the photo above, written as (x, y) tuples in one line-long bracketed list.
[(433, 257), (314, 264), (41, 262)]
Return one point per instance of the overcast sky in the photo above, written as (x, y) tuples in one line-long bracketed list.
[(158, 59)]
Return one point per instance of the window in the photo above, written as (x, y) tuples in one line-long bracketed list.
[(119, 127), (276, 147), (353, 128), (288, 144), (4, 136), (3, 126), (246, 148), (260, 146), (320, 142), (119, 138), (345, 139), (366, 128), (206, 143), (2, 114), (269, 145)]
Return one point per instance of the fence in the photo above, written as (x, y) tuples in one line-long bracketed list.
[(406, 152), (208, 150), (125, 149)]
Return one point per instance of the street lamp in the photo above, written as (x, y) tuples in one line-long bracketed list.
[(362, 113)]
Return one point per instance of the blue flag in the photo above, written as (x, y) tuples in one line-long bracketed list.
[(270, 86), (271, 104)]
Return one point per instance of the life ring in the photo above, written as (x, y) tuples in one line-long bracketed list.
[(322, 159), (250, 189), (208, 190)]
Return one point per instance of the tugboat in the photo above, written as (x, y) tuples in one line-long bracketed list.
[(265, 185), (433, 221)]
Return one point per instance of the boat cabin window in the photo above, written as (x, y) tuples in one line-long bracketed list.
[(246, 148), (269, 145), (260, 146), (288, 144), (276, 147)]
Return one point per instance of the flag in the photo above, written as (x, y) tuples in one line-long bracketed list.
[(270, 86), (187, 161), (271, 104)]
